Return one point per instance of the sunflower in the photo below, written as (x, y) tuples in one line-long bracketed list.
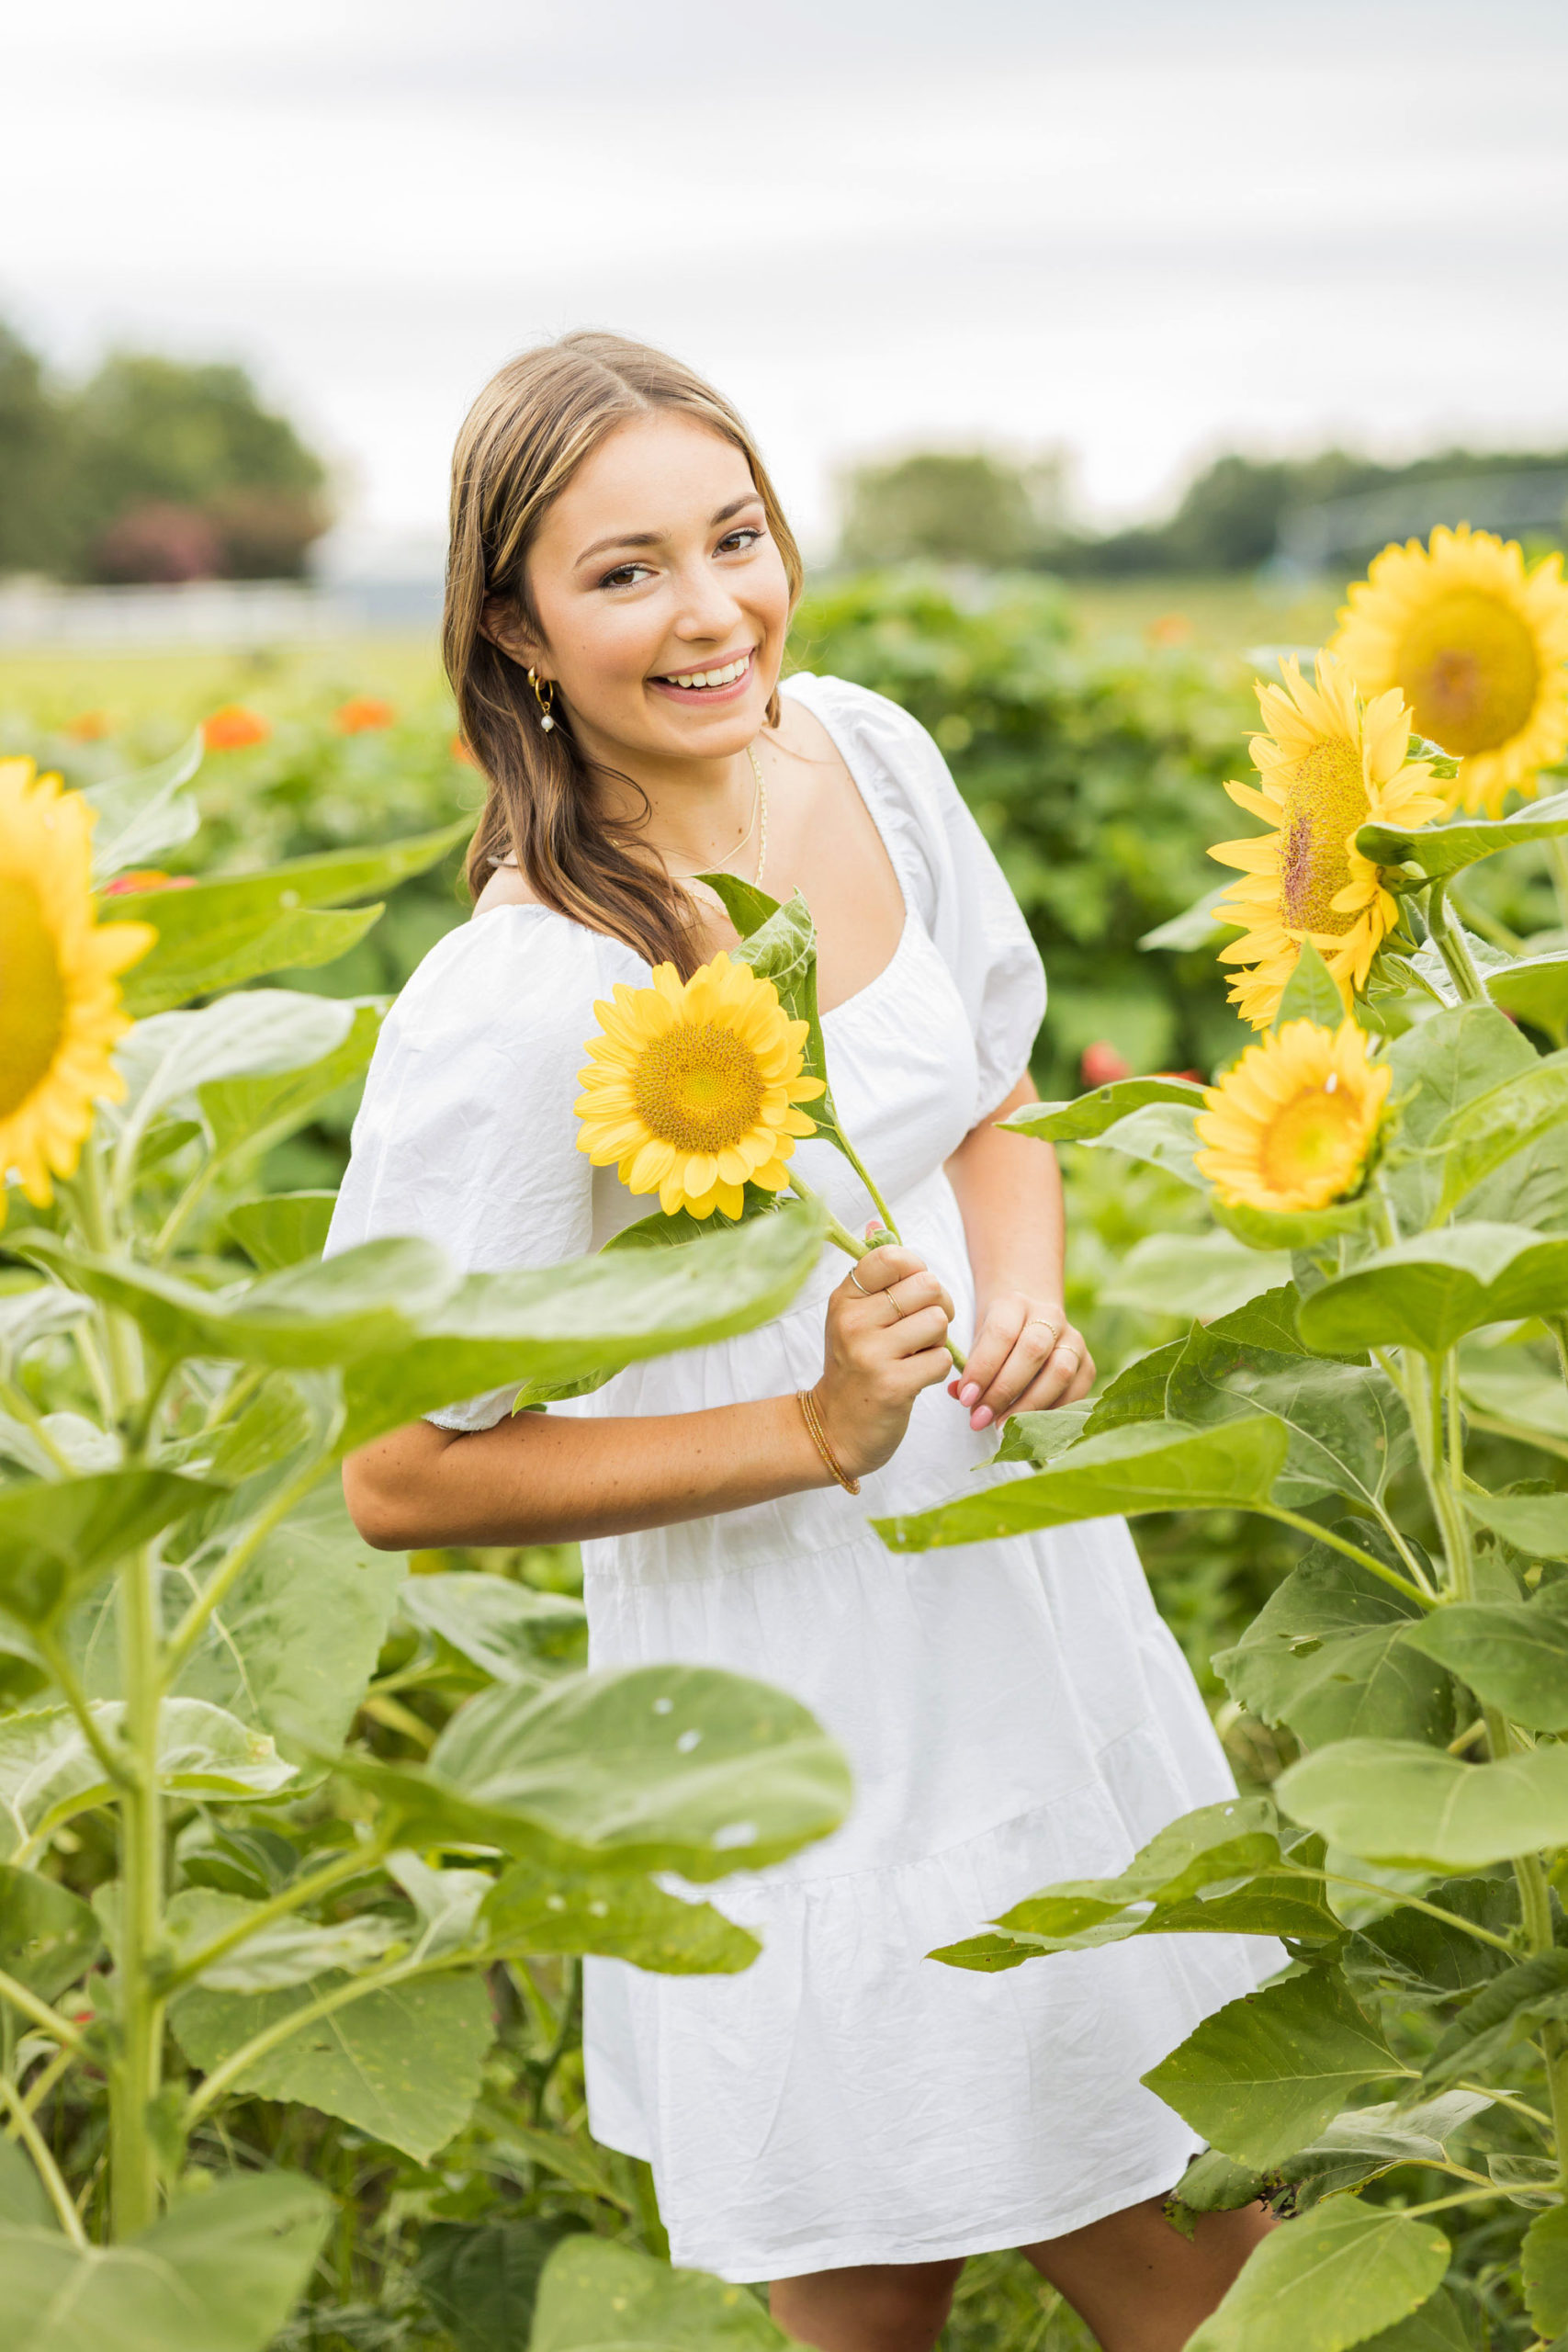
[(1476, 645), (60, 1008), (1292, 1126), (692, 1088), (1327, 767)]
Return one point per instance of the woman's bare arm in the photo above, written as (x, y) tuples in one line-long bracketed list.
[(1026, 1356), (543, 1479)]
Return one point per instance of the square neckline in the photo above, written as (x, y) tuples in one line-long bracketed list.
[(868, 802)]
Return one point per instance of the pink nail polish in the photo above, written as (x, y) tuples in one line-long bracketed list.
[(983, 1418), (969, 1392)]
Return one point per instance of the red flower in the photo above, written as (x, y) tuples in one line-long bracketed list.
[(1102, 1065), (363, 715), (88, 727), (234, 728), (1171, 628)]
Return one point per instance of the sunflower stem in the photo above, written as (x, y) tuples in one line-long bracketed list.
[(1450, 941)]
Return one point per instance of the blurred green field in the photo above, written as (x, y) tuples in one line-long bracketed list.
[(51, 689)]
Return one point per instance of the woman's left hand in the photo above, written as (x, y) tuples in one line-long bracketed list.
[(1026, 1358)]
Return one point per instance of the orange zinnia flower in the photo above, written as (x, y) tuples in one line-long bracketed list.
[(88, 727), (362, 715), (234, 728), (460, 752), (146, 877)]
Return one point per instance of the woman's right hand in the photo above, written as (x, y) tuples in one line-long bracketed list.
[(885, 1340)]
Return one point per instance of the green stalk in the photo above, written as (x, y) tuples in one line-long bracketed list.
[(49, 2172), (137, 2070), (122, 1341), (117, 1767), (38, 2012), (1449, 942), (21, 1407), (1413, 1903)]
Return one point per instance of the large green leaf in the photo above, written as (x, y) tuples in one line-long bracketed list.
[(1534, 989), (23, 2205), (1513, 1655), (600, 2295), (1505, 1387), (49, 1773), (138, 818), (253, 1034), (59, 1538), (1327, 1656), (1162, 1134), (1217, 1872), (49, 1936), (1265, 2074), (1390, 1801), (653, 1768), (1439, 1066), (284, 1228), (1148, 1465), (1429, 1292), (1092, 1113), (366, 1300), (235, 927), (1193, 1274), (292, 1646), (1334, 2279), (403, 2063), (506, 1630), (481, 2278), (1439, 850), (581, 1321), (219, 2273), (1501, 2014), (1356, 2146), (1536, 1525), (1348, 1428), (1491, 1128), (257, 1112), (532, 1911), (1544, 2260), (1425, 1960)]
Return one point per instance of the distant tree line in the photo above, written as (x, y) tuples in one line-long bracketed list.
[(150, 470), (983, 508)]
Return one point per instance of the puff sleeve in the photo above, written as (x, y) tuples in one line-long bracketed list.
[(949, 872), (467, 1136)]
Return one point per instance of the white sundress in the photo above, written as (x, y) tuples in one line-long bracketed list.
[(1015, 1713)]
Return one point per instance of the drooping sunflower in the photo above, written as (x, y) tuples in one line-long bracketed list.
[(1292, 1125), (693, 1087), (1326, 767), (60, 1005), (1476, 645)]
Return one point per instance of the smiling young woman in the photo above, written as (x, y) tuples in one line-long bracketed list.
[(846, 2119)]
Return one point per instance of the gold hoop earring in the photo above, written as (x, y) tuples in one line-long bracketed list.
[(544, 695)]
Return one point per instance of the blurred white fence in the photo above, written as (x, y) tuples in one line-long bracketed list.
[(36, 613)]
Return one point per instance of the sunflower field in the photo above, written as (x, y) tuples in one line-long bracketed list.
[(299, 1851)]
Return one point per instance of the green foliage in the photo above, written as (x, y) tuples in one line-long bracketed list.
[(950, 508), (1412, 1368), (287, 1833)]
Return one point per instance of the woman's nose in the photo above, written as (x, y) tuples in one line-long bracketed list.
[(707, 608)]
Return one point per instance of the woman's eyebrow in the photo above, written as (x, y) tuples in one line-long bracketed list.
[(651, 538)]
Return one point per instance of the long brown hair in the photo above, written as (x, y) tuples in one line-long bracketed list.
[(523, 439)]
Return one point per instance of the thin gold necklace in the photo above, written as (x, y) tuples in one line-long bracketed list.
[(757, 825)]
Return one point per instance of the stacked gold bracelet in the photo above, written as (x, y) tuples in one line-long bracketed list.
[(819, 1439)]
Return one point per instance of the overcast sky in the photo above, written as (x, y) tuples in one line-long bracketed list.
[(1145, 229)]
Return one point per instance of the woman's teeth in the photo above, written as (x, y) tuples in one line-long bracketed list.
[(725, 677)]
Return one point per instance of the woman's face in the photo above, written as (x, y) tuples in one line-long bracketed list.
[(662, 597)]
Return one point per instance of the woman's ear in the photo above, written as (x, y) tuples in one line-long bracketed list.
[(503, 624)]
